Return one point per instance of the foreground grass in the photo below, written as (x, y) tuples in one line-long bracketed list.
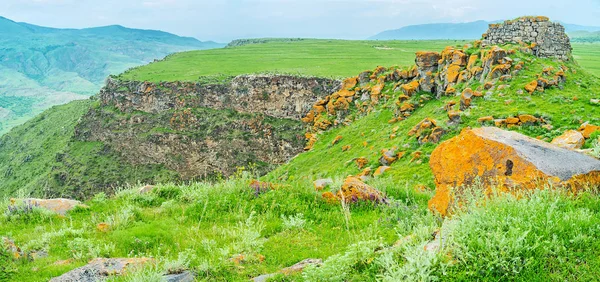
[(546, 235)]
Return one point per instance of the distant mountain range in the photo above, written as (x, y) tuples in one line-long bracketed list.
[(470, 30), (42, 66)]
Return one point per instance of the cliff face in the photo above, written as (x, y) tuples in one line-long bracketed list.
[(204, 131), (277, 96)]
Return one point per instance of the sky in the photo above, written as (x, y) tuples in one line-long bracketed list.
[(225, 20)]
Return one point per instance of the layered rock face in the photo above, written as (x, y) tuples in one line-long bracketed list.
[(548, 38), (203, 131), (277, 96), (507, 160)]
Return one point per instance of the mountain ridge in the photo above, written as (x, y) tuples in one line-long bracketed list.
[(44, 66), (465, 30)]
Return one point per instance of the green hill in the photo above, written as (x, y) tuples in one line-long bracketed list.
[(238, 229), (41, 67)]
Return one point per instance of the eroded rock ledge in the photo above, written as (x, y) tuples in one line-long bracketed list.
[(280, 96)]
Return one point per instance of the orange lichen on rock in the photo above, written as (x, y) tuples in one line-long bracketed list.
[(336, 139), (528, 119), (452, 73), (346, 148), (388, 157), (571, 139), (410, 88), (355, 190), (380, 170), (465, 99), (350, 82), (376, 89), (531, 87), (472, 59), (425, 59), (450, 90), (361, 162), (587, 130), (485, 119), (503, 159), (311, 140), (427, 131)]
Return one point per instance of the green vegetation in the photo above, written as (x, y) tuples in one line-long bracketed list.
[(588, 56), (47, 66), (228, 232), (314, 57)]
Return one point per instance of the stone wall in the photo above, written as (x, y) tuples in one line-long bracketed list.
[(548, 39)]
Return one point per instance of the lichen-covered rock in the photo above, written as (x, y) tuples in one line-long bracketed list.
[(505, 159), (298, 267), (571, 139), (388, 157), (355, 190), (59, 206), (465, 99), (12, 248), (381, 170), (321, 184), (427, 131), (101, 268), (588, 129)]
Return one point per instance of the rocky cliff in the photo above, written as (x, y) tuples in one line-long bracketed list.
[(203, 131)]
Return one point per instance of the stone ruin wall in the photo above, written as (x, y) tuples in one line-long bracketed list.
[(548, 39)]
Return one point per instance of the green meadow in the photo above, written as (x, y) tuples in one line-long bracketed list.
[(312, 57)]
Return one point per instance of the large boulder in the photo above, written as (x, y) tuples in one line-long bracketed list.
[(100, 269), (507, 160)]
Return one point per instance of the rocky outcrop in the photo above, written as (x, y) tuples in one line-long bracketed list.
[(547, 39), (59, 206), (204, 131), (507, 160), (279, 96), (100, 269)]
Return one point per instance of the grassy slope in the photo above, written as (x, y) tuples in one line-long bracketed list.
[(566, 109), (28, 151), (208, 224)]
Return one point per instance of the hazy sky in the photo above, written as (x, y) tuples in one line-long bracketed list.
[(223, 20)]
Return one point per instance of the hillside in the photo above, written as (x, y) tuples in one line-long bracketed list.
[(41, 67), (379, 126), (459, 31), (76, 168)]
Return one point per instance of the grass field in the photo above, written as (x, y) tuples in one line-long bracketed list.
[(328, 58), (316, 57), (588, 56)]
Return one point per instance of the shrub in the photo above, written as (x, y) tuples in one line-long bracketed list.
[(293, 222)]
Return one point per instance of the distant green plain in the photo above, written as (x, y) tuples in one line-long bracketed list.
[(314, 57)]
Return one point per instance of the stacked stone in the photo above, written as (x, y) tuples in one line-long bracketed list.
[(548, 39)]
